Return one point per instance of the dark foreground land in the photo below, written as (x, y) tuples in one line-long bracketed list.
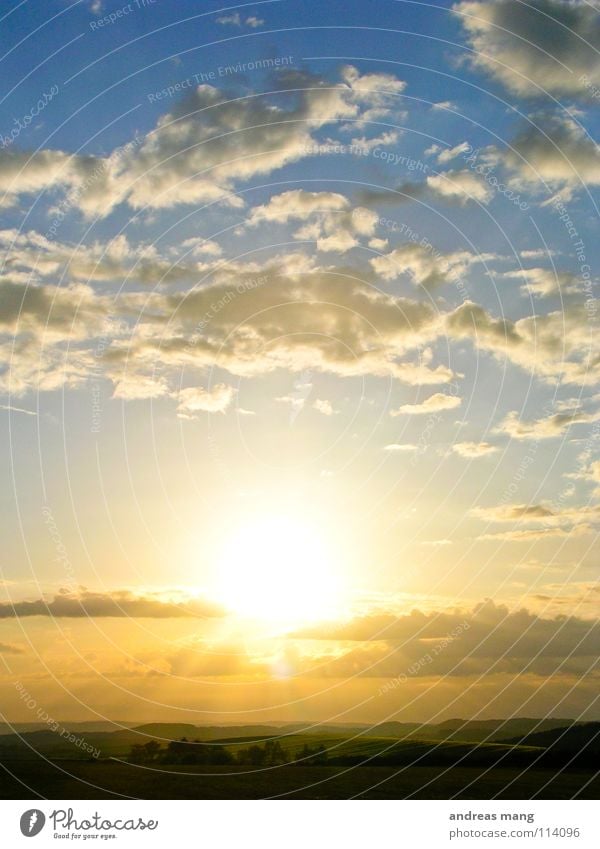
[(507, 759), (77, 779)]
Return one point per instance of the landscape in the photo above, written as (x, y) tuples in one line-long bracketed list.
[(299, 401), (515, 759)]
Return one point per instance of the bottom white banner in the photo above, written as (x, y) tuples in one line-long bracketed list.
[(301, 823)]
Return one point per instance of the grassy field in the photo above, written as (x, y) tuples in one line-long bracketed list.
[(342, 750), (110, 779)]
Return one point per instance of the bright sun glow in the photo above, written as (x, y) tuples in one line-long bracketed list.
[(280, 570)]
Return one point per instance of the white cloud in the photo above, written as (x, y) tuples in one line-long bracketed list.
[(532, 48), (543, 282), (557, 343), (460, 185), (197, 399), (330, 222), (448, 154), (554, 150), (202, 148), (546, 428), (323, 406), (426, 267), (435, 403), (473, 449)]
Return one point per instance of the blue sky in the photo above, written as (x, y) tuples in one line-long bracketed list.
[(352, 282)]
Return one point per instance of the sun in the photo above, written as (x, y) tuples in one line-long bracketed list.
[(279, 569)]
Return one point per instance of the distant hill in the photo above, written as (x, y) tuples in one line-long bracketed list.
[(552, 738), (488, 730), (584, 737)]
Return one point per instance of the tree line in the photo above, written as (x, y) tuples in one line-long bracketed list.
[(189, 752)]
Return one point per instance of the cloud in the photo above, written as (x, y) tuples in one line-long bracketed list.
[(23, 173), (474, 449), (236, 20), (11, 409), (435, 403), (548, 520), (255, 318), (461, 186), (532, 534), (9, 648), (199, 246), (366, 145), (378, 244), (323, 406), (546, 47), (555, 344), (457, 187), (552, 149), (116, 604), (514, 512), (209, 142), (544, 282), (196, 399), (39, 259), (546, 428), (200, 150), (332, 224), (425, 266), (448, 154), (251, 317), (229, 20), (246, 317), (488, 639), (401, 447), (134, 385), (297, 204)]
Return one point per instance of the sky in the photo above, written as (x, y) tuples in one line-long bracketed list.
[(298, 371)]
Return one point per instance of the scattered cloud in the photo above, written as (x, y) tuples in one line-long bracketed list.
[(545, 428), (425, 266), (120, 604), (331, 222), (435, 403), (462, 186), (323, 406), (197, 399), (474, 449), (533, 49), (551, 149), (236, 20), (490, 638), (544, 282)]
